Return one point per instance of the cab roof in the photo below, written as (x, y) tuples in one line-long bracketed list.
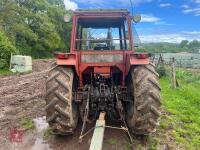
[(89, 12)]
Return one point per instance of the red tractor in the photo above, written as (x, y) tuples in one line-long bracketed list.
[(102, 73)]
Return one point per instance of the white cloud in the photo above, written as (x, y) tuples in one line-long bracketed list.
[(195, 11), (164, 23), (197, 1), (165, 5), (185, 6), (108, 3), (171, 38), (160, 23), (137, 2), (70, 5), (149, 18), (191, 32), (194, 8), (92, 2)]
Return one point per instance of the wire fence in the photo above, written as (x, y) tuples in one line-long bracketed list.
[(183, 60)]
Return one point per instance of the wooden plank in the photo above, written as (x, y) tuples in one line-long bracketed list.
[(102, 116), (97, 138)]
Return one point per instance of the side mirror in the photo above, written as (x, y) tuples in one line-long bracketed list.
[(67, 18), (136, 18)]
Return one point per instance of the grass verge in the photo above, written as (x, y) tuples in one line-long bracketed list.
[(6, 72), (183, 109), (27, 123)]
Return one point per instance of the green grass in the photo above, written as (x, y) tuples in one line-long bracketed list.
[(27, 123), (112, 141), (5, 72), (128, 146), (183, 108), (153, 143), (47, 133), (8, 72)]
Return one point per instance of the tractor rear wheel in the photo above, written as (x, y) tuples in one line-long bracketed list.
[(62, 113), (143, 112)]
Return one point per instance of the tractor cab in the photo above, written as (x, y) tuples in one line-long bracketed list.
[(102, 30), (102, 43)]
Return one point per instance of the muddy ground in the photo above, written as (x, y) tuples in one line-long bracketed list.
[(22, 96)]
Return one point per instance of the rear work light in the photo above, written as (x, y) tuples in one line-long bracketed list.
[(61, 55), (142, 56)]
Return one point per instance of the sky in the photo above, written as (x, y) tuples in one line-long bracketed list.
[(162, 20)]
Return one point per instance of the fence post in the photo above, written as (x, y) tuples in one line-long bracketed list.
[(160, 60), (174, 85), (11, 55)]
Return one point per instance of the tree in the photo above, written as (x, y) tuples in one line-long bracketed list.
[(36, 27), (6, 48), (194, 45), (184, 43)]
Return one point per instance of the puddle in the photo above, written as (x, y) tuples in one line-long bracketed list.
[(40, 145), (41, 125)]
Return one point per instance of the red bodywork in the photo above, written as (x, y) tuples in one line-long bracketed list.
[(130, 58)]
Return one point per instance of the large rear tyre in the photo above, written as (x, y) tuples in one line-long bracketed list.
[(61, 111), (143, 113)]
